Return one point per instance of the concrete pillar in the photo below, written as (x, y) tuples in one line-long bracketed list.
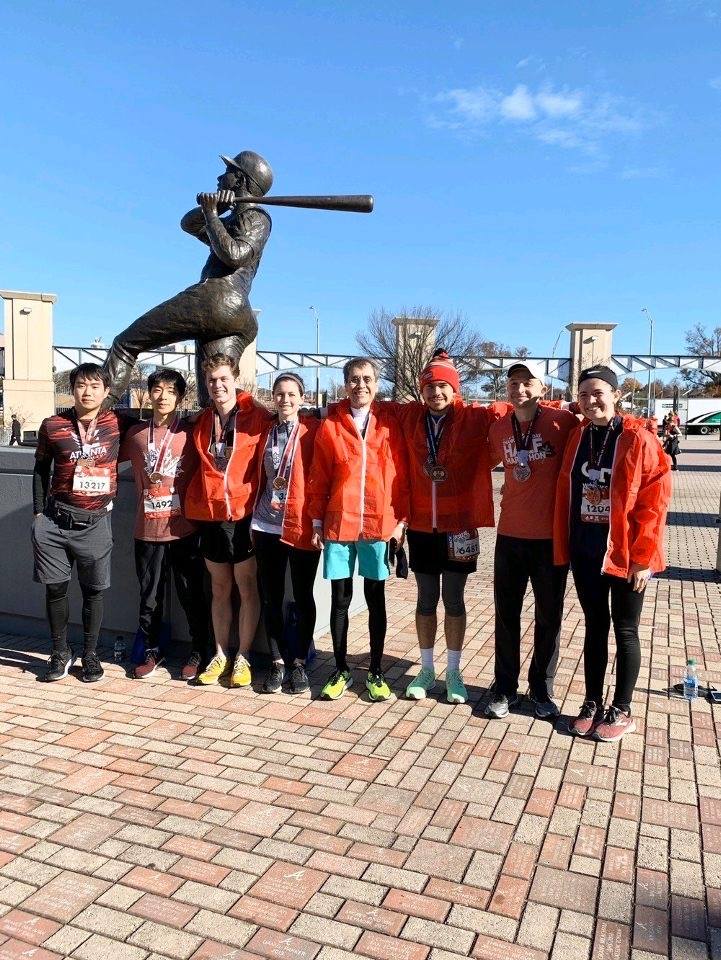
[(28, 388), (415, 342), (591, 345)]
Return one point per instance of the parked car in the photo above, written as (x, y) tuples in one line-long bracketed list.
[(705, 424)]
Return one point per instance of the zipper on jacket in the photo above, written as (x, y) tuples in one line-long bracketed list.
[(434, 511), (610, 513), (227, 468), (363, 469)]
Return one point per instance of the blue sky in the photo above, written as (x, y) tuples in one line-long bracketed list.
[(533, 164)]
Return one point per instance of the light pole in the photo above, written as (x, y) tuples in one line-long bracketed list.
[(650, 352), (317, 350)]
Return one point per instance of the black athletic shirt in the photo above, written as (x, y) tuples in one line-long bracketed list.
[(591, 539)]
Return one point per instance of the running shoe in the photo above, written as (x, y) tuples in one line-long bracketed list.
[(499, 705), (148, 667), (299, 682), (616, 723), (418, 688), (58, 666), (92, 668), (455, 688), (336, 685), (543, 707), (587, 720), (273, 683), (240, 674), (377, 687), (191, 667), (217, 668)]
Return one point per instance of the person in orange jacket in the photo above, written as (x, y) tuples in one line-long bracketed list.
[(450, 497), (614, 490), (358, 501), (220, 496), (282, 531)]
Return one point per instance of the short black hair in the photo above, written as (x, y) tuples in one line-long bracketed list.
[(168, 375), (89, 371)]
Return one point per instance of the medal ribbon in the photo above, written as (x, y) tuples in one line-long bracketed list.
[(165, 443), (434, 432), (285, 462), (220, 430), (85, 437), (523, 440), (594, 462)]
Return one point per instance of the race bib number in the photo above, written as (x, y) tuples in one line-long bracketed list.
[(162, 506), (595, 504), (463, 547), (277, 500), (91, 481)]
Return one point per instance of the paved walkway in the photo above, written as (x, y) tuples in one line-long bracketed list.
[(154, 819)]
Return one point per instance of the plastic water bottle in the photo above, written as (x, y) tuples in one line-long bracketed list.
[(690, 680), (119, 649)]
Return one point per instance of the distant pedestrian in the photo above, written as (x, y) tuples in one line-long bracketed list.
[(15, 431), (671, 443)]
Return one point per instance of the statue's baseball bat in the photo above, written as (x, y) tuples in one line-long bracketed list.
[(350, 203)]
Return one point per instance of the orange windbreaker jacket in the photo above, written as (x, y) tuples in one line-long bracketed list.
[(465, 499), (212, 494), (640, 492), (297, 521), (358, 486)]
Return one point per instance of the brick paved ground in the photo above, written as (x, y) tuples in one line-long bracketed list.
[(159, 820)]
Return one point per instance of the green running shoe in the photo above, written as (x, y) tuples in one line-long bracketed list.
[(336, 685), (418, 688), (377, 687), (455, 689)]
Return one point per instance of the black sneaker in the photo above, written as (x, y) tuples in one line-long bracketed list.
[(59, 665), (499, 705), (299, 682), (273, 683), (543, 707), (92, 668)]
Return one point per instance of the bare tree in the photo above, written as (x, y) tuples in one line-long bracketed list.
[(405, 357), (699, 343)]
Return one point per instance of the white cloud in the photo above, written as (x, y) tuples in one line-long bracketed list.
[(569, 119), (518, 105), (715, 82), (641, 173)]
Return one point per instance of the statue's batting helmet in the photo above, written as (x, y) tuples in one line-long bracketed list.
[(254, 167)]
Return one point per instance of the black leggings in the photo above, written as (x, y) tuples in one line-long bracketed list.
[(56, 604), (341, 596), (273, 557), (450, 584), (594, 590)]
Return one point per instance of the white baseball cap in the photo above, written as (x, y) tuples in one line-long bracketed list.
[(534, 368)]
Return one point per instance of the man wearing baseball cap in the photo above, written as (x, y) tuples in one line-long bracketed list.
[(529, 441)]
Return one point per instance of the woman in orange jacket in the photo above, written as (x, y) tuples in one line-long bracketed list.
[(614, 489), (450, 497), (221, 496), (282, 531)]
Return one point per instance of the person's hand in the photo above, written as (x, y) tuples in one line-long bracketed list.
[(639, 576), (317, 540), (208, 202), (399, 534), (226, 199)]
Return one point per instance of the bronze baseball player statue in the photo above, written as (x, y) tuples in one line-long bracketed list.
[(216, 312)]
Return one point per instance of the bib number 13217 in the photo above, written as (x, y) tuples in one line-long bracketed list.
[(91, 481)]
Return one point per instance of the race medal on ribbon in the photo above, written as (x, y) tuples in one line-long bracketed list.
[(438, 473), (85, 461), (280, 483), (155, 477), (521, 472), (593, 493)]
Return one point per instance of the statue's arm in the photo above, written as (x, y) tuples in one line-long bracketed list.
[(194, 223), (248, 243)]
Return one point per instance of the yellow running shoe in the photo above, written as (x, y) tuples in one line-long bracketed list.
[(217, 668), (240, 675)]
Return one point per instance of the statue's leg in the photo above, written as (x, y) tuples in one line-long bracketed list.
[(233, 346)]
